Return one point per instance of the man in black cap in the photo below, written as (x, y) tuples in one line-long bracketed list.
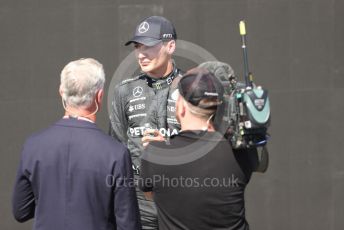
[(199, 183), (259, 156), (147, 100)]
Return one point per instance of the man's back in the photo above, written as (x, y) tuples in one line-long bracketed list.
[(205, 192), (72, 167)]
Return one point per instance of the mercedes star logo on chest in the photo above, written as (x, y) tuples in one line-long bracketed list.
[(137, 91)]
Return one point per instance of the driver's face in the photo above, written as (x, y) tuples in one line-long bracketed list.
[(152, 59)]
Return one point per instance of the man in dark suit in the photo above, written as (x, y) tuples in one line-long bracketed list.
[(72, 175)]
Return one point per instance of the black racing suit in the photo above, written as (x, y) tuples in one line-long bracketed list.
[(139, 103)]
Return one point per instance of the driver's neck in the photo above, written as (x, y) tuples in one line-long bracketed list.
[(162, 72)]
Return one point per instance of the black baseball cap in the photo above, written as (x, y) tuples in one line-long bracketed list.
[(198, 84), (153, 30)]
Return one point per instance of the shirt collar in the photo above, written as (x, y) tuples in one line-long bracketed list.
[(78, 118)]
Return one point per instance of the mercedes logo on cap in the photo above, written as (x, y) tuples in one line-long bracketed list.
[(143, 27), (137, 91)]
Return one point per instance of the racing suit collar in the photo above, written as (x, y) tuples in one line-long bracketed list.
[(163, 82)]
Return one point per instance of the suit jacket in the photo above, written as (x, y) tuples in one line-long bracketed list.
[(73, 176)]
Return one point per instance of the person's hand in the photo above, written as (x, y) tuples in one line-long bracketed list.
[(149, 196), (151, 135)]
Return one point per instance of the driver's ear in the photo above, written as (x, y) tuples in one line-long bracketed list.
[(171, 47)]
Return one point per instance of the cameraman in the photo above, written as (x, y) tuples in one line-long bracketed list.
[(258, 156), (206, 189)]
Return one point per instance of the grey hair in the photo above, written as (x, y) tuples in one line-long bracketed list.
[(80, 81)]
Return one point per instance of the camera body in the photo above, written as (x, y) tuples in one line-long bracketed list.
[(248, 116)]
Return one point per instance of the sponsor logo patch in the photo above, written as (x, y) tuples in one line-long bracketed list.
[(137, 115), (137, 91), (143, 27), (167, 36), (175, 94), (171, 109), (136, 107), (137, 99)]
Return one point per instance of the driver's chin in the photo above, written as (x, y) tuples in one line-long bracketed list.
[(146, 68)]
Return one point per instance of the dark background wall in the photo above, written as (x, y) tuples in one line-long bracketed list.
[(296, 50)]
